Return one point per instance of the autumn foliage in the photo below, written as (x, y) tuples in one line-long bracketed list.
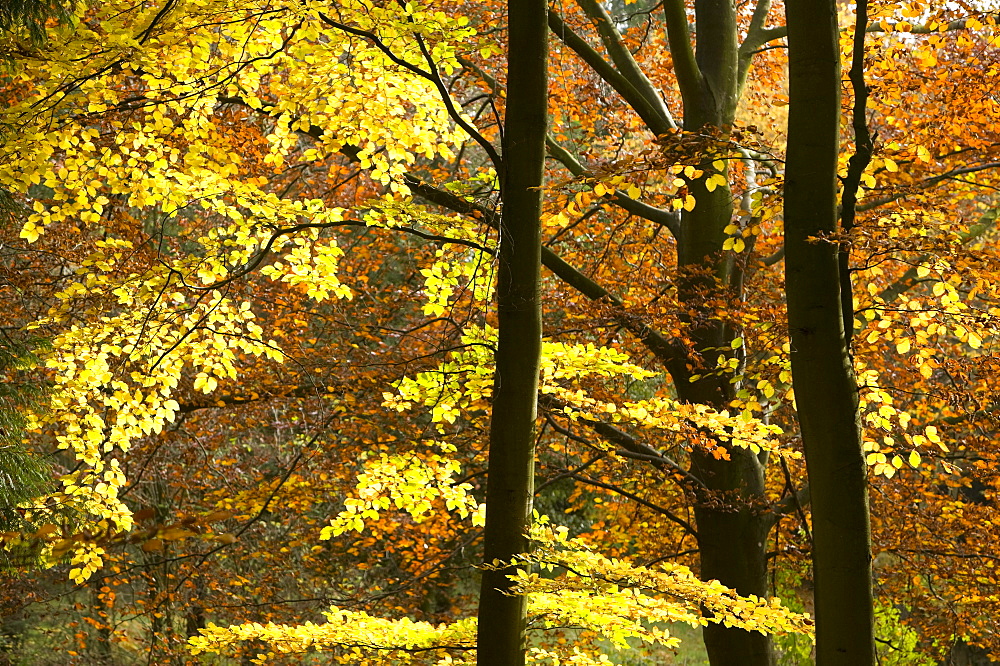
[(253, 249)]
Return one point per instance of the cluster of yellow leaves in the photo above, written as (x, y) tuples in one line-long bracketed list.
[(887, 433), (353, 634), (455, 273), (112, 112), (462, 381), (312, 264), (410, 483), (114, 379), (766, 383), (620, 601), (170, 155), (950, 309)]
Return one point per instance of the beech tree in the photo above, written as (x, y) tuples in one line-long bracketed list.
[(511, 472), (819, 326), (116, 374), (263, 242)]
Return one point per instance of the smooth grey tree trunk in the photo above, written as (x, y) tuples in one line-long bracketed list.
[(826, 391), (510, 484), (732, 525)]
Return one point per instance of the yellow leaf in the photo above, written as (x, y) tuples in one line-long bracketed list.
[(914, 459), (30, 232), (903, 346), (890, 165), (634, 192)]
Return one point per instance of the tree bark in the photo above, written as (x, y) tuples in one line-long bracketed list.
[(732, 525), (825, 387), (510, 484)]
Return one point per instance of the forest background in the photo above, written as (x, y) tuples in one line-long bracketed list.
[(249, 254)]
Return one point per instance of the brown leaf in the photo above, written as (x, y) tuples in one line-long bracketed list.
[(176, 533), (152, 545)]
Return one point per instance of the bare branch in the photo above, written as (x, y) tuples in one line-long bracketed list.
[(650, 115), (623, 59), (665, 218)]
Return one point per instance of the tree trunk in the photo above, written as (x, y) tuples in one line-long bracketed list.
[(510, 484), (730, 514), (732, 535), (826, 390)]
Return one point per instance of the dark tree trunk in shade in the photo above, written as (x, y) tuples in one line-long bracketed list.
[(826, 391), (510, 484)]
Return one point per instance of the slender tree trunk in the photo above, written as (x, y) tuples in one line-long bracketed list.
[(822, 373), (510, 484)]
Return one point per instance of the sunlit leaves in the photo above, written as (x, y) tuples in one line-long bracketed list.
[(167, 153), (466, 378), (619, 600), (414, 484), (343, 629)]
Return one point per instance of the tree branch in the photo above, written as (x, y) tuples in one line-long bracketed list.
[(664, 218), (926, 183), (650, 115), (689, 76), (756, 37), (778, 32), (863, 148), (638, 500), (623, 60), (630, 447)]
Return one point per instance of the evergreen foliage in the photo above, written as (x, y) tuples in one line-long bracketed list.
[(24, 476), (31, 16)]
